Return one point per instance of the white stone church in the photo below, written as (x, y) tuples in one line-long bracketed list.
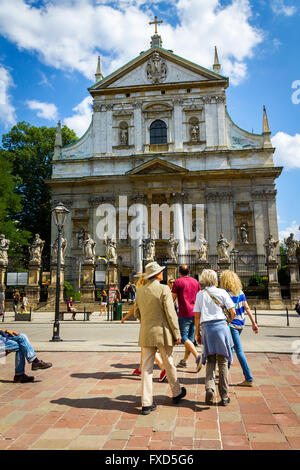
[(161, 133)]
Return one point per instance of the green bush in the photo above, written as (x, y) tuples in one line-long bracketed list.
[(255, 280), (70, 292)]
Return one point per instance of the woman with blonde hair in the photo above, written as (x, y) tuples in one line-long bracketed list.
[(214, 334), (231, 283), (138, 371)]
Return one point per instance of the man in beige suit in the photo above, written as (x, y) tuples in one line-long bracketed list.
[(159, 329)]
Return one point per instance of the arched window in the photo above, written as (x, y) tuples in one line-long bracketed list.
[(158, 132)]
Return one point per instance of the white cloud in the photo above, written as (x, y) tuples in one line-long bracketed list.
[(287, 150), (69, 34), (44, 110), (280, 8), (7, 110), (81, 118), (293, 228)]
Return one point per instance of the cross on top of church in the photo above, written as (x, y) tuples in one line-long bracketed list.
[(156, 23)]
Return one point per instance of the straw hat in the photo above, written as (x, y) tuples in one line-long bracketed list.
[(152, 269)]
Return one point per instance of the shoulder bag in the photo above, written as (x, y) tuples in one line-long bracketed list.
[(224, 309)]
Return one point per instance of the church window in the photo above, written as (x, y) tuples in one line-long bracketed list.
[(158, 132)]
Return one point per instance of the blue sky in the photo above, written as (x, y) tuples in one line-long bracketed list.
[(49, 49)]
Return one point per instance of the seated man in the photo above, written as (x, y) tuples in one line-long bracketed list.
[(70, 307), (10, 341)]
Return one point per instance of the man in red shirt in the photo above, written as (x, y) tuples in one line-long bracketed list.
[(185, 290)]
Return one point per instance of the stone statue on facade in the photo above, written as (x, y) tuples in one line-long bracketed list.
[(35, 250), (111, 246), (80, 235), (194, 133), (292, 246), (202, 250), (88, 248), (222, 245), (173, 249), (149, 249), (244, 234), (270, 247), (4, 246), (124, 136), (54, 247)]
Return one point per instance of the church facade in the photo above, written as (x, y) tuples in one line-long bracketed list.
[(161, 134)]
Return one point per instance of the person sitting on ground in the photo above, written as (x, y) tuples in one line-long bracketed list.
[(230, 281), (138, 371), (11, 341), (70, 308), (214, 334), (184, 290)]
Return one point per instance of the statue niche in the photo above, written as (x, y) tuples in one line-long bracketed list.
[(123, 133), (194, 130)]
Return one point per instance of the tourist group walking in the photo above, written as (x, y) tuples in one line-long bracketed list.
[(188, 312)]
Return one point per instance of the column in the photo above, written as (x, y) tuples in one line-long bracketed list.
[(138, 140), (222, 134), (210, 122), (52, 286), (109, 124), (103, 133), (33, 286), (275, 298), (96, 129), (178, 131), (177, 207), (259, 228), (88, 286), (212, 232), (3, 269)]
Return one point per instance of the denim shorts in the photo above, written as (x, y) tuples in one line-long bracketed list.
[(187, 328)]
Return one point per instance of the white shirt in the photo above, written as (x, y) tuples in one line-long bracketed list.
[(209, 309)]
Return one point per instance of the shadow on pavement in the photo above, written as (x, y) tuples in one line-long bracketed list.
[(126, 403)]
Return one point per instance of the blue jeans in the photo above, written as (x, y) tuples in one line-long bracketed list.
[(21, 346), (240, 353), (187, 328)]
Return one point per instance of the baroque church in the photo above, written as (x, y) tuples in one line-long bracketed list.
[(161, 133)]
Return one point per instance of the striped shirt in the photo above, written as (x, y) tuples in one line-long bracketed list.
[(239, 304)]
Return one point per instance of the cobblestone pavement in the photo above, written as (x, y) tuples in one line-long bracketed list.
[(92, 401)]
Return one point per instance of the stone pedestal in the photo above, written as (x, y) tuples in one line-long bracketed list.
[(88, 285), (200, 266), (52, 286), (295, 281), (33, 286), (112, 274), (273, 286), (224, 264), (172, 270), (3, 270)]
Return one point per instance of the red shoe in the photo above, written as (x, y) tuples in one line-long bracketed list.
[(162, 376), (136, 372)]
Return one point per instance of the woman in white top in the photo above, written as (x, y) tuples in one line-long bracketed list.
[(214, 333)]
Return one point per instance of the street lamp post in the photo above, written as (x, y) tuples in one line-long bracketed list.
[(60, 213), (234, 252)]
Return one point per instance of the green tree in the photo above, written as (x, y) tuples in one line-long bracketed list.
[(29, 150), (9, 202)]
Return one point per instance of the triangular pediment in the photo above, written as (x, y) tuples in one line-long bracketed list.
[(157, 66), (156, 166)]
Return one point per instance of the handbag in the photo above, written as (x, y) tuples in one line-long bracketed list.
[(224, 309)]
